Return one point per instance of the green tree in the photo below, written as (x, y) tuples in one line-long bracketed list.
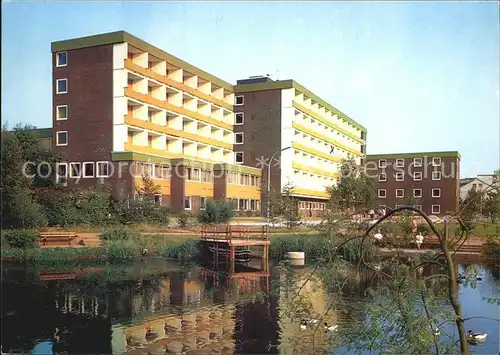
[(289, 208), (148, 187), (22, 152), (354, 189), (491, 206)]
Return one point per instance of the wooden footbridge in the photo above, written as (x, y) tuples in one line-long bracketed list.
[(226, 241)]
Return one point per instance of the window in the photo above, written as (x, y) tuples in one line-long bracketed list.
[(62, 138), (419, 207), (253, 205), (62, 112), (436, 161), (400, 163), (382, 163), (88, 170), (238, 101), (241, 204), (400, 176), (187, 202), (203, 202), (158, 198), (239, 118), (62, 170), (436, 209), (436, 175), (102, 168), (238, 138), (61, 86), (436, 192), (381, 193), (400, 193), (75, 170), (417, 193), (382, 177), (417, 176), (238, 157), (417, 162), (61, 59)]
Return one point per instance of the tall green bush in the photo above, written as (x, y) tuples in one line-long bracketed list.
[(20, 239), (216, 212)]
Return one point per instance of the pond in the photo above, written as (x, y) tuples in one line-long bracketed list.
[(160, 307)]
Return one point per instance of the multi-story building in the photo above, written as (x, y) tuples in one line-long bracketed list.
[(481, 183), (313, 135), (429, 181), (123, 108)]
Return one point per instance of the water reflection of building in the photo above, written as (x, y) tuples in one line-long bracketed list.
[(313, 302), (193, 321)]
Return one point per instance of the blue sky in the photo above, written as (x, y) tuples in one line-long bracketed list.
[(421, 76)]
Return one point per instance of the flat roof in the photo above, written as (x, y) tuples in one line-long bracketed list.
[(290, 83), (125, 37), (444, 154)]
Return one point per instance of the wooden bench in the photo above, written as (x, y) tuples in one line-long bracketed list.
[(55, 238)]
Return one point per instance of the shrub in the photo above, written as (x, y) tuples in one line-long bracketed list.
[(121, 250), (186, 251), (216, 212), (119, 234), (322, 247), (143, 210), (490, 252), (183, 219), (21, 239), (424, 229)]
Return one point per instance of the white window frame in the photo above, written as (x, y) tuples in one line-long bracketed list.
[(434, 161), (57, 113), (57, 138), (236, 100), (57, 86), (190, 199), (379, 191), (380, 175), (83, 169), (58, 176), (58, 64), (400, 173), (242, 137), (242, 157), (402, 195), (201, 202), (97, 170), (436, 189), (420, 196), (436, 171), (415, 176), (418, 207), (71, 169), (438, 208), (419, 164), (382, 163), (242, 118), (398, 161)]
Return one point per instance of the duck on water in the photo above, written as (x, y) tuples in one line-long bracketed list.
[(475, 338)]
